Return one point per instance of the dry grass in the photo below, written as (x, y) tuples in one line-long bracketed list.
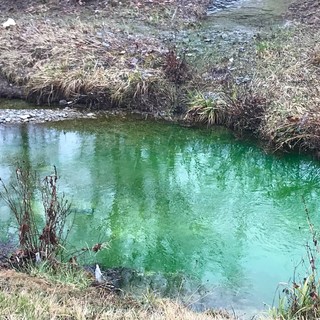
[(89, 64), (97, 64), (26, 297), (281, 102), (208, 109), (288, 76)]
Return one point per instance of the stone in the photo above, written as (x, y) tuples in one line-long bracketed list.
[(25, 116)]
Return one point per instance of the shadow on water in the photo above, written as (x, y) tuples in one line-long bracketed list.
[(198, 214)]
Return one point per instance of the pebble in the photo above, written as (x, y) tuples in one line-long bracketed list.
[(41, 115), (25, 116)]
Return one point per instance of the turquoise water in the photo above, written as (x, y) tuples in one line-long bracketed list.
[(173, 200)]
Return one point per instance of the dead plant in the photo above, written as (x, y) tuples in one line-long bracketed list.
[(39, 239), (246, 109), (300, 298), (175, 67)]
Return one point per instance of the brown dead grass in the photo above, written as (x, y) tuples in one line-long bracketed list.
[(90, 56), (26, 297), (281, 103), (90, 64), (288, 76)]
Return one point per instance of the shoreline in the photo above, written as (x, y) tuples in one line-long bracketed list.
[(269, 89)]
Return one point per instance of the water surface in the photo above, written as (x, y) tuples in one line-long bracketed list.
[(173, 200)]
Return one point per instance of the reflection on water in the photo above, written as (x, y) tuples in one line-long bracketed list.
[(174, 200)]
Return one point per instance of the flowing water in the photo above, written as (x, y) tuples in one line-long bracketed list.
[(176, 203)]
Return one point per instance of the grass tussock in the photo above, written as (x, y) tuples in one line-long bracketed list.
[(25, 297), (206, 108)]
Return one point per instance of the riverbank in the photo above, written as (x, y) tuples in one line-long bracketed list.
[(98, 55), (33, 296)]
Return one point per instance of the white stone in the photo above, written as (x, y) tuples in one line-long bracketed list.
[(10, 22), (25, 116)]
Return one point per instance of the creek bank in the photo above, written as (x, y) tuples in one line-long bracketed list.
[(46, 59), (44, 298)]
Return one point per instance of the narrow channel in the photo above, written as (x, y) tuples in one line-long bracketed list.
[(195, 212)]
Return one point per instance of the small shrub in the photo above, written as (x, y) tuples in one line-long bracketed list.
[(37, 240), (175, 67)]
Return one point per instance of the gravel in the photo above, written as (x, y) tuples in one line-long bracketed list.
[(8, 116)]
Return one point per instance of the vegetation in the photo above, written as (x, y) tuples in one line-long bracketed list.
[(280, 103), (206, 109), (37, 240), (26, 297), (300, 299), (288, 77)]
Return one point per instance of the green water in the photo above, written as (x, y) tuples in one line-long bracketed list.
[(177, 200)]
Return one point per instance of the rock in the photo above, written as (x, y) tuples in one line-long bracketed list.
[(25, 116), (63, 103), (9, 23)]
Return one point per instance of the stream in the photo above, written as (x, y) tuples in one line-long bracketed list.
[(188, 213), (191, 213)]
